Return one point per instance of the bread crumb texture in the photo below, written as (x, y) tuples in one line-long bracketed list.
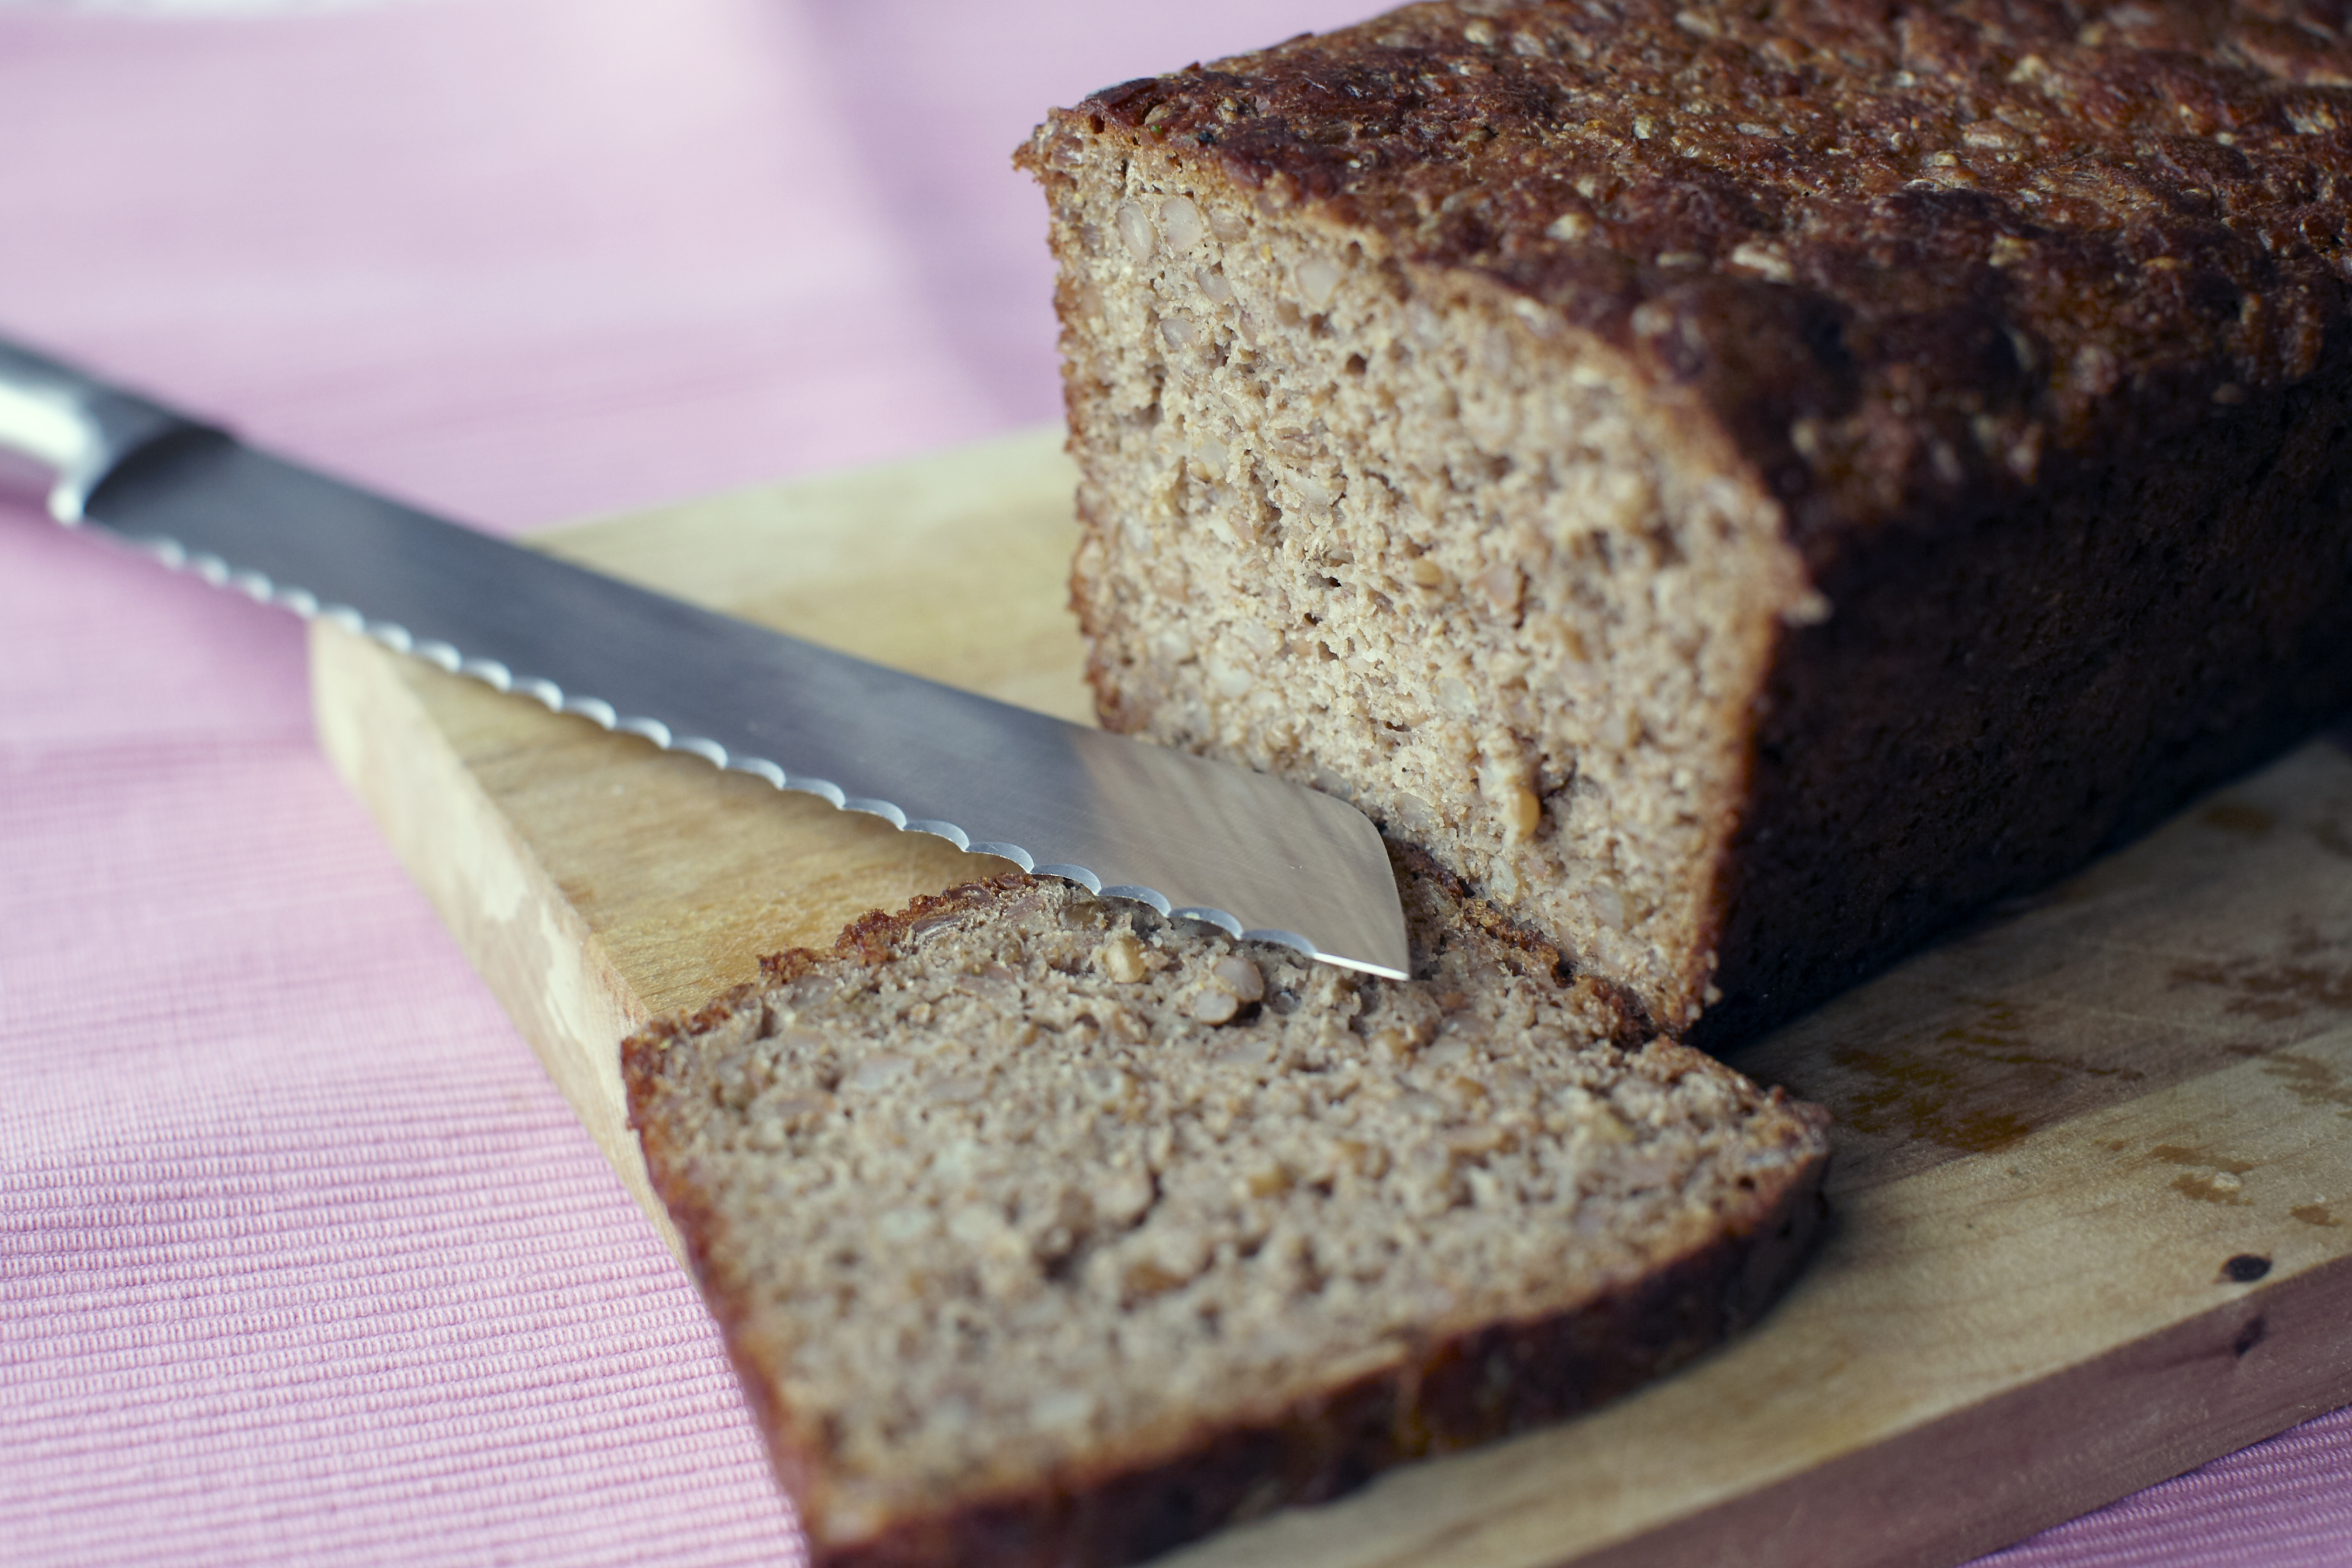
[(1044, 1229)]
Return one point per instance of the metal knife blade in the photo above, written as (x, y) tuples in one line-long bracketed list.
[(1259, 857)]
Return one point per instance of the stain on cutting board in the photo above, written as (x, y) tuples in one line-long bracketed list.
[(2218, 939)]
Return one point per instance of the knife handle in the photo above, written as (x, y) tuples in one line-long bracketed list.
[(72, 427)]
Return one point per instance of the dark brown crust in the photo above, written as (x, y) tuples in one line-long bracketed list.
[(1988, 710), (1956, 244), (1454, 1392)]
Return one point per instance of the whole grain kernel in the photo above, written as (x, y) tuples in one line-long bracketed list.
[(1213, 1004), (1240, 976), (1135, 231), (1121, 958), (1318, 282), (1522, 813), (1181, 223), (1502, 586), (1768, 261)]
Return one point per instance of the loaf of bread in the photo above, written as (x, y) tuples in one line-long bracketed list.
[(1045, 1231), (1743, 485)]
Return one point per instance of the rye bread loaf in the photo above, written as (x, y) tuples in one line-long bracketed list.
[(1744, 485), (1044, 1230)]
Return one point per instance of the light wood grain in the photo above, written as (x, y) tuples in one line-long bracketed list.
[(2054, 1130)]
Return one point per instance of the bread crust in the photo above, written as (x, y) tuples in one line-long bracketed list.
[(1906, 254), (1446, 1391), (2032, 325)]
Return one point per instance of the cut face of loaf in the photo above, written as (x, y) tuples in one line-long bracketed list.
[(1383, 532), (1742, 485), (1045, 1231)]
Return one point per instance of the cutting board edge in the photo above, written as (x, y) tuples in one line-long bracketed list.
[(535, 950), (1726, 1535)]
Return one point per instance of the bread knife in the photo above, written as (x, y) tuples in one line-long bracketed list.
[(1261, 858)]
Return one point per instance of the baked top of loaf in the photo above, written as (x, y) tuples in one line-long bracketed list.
[(1045, 1229), (1908, 256)]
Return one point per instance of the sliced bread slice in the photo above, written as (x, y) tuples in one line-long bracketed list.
[(1045, 1230)]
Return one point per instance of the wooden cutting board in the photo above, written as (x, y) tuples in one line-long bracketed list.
[(2093, 1191)]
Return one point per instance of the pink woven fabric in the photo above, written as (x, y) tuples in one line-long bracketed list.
[(300, 1257)]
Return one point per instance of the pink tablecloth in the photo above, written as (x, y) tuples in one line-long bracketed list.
[(300, 1257)]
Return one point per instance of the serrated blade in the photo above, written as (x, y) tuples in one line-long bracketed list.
[(1259, 857)]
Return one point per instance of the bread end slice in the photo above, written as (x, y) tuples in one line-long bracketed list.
[(1043, 1229)]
